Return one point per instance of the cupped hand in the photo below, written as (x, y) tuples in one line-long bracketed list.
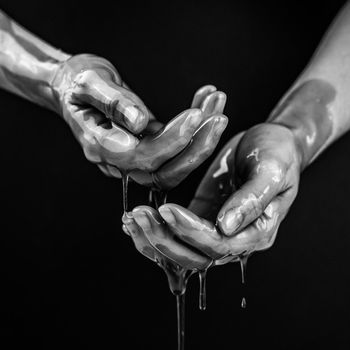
[(119, 133), (238, 206)]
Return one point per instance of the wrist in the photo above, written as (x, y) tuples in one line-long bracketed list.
[(56, 84), (305, 112)]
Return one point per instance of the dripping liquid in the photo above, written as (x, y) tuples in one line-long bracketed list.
[(243, 260), (202, 289), (177, 276), (177, 280), (180, 306), (125, 181), (157, 198)]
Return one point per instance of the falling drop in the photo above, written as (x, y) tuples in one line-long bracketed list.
[(125, 181), (243, 260), (202, 290), (180, 305)]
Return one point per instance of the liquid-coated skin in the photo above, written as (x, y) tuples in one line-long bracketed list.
[(250, 186), (111, 123)]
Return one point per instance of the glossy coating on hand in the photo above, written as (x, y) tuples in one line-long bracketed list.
[(105, 115), (162, 238), (177, 275), (187, 140), (254, 180)]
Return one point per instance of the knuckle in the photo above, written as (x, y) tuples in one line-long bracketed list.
[(272, 166), (83, 79), (257, 207)]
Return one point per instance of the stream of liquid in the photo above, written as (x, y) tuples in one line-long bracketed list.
[(202, 289), (125, 182), (177, 280), (243, 260), (180, 305), (177, 276)]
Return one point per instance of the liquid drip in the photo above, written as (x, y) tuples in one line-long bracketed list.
[(177, 279), (180, 305), (125, 181), (243, 260), (157, 198), (202, 290)]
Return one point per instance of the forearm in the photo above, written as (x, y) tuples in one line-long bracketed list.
[(317, 106), (27, 64)]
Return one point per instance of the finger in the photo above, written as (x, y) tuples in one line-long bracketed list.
[(104, 169), (163, 240), (118, 103), (142, 244), (213, 104), (114, 171), (203, 144), (112, 145), (201, 94), (249, 202), (261, 233), (195, 231), (154, 150)]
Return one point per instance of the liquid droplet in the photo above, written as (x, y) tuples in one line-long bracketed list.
[(202, 290), (243, 303)]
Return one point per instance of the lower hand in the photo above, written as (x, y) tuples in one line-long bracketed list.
[(237, 208)]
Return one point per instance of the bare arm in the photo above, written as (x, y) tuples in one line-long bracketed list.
[(317, 106), (28, 65), (105, 115)]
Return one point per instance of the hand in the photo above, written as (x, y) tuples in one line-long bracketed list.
[(108, 119), (247, 190)]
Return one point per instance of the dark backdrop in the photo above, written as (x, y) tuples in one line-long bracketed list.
[(66, 268)]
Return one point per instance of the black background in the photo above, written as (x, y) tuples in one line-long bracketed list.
[(66, 268)]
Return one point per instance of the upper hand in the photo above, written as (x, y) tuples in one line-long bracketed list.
[(119, 133)]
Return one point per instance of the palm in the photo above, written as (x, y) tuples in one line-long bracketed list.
[(238, 206)]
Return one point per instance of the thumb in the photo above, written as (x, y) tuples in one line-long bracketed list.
[(249, 202), (118, 103)]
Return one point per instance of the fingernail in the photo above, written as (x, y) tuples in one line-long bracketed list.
[(167, 215), (142, 220), (220, 101), (127, 218), (135, 117), (220, 126), (125, 229), (231, 221)]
